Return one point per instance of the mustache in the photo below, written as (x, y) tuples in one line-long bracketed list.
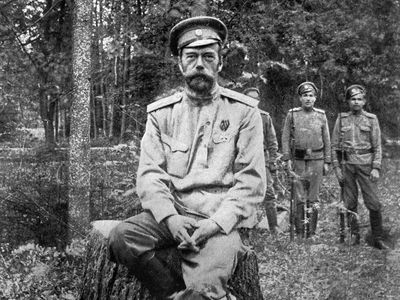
[(199, 75)]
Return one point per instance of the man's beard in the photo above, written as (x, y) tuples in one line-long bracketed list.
[(200, 83)]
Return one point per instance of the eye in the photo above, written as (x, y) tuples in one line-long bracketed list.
[(209, 57)]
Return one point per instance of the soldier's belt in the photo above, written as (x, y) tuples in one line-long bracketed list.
[(345, 153), (301, 153)]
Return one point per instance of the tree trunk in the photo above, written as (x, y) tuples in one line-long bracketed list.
[(104, 279), (79, 154)]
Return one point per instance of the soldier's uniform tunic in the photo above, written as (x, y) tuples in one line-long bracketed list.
[(357, 138), (312, 146), (202, 160)]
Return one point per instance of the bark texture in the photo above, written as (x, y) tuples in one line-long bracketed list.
[(79, 155), (104, 279)]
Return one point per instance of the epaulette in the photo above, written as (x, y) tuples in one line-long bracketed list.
[(344, 114), (239, 97), (295, 109), (164, 102), (369, 115), (319, 110), (263, 112)]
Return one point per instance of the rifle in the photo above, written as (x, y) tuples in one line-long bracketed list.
[(291, 177), (342, 214)]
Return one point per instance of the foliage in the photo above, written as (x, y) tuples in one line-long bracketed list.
[(35, 272)]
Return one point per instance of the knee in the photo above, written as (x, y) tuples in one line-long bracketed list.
[(120, 249)]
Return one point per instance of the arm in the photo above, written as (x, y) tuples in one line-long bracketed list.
[(376, 145), (152, 178), (286, 135), (335, 143), (327, 141), (249, 175), (272, 143)]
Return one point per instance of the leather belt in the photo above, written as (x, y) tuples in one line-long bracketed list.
[(301, 153), (346, 152)]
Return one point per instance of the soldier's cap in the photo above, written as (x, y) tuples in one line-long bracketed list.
[(197, 32), (354, 90), (306, 87), (251, 89)]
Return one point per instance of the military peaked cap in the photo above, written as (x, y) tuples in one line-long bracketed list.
[(306, 87), (197, 32), (354, 90)]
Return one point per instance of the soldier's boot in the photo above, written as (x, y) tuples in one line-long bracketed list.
[(375, 218), (354, 228), (157, 277), (313, 222), (299, 223), (270, 211)]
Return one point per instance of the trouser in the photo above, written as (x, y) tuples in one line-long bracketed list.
[(307, 195), (206, 272), (353, 174), (269, 202)]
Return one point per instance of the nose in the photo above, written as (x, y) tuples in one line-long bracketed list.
[(199, 63)]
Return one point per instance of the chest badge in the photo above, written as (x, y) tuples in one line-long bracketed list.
[(224, 125)]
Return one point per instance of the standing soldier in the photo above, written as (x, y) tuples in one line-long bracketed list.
[(270, 154), (356, 140), (306, 141)]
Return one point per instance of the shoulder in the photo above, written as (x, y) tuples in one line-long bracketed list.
[(164, 102), (263, 112), (369, 115), (318, 110), (344, 115), (296, 109), (239, 97)]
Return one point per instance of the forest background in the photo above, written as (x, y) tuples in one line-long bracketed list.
[(274, 45)]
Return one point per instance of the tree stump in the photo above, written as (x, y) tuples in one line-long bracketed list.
[(104, 279)]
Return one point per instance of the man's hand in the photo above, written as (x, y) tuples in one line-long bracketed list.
[(326, 169), (374, 175), (178, 226), (339, 174), (206, 229)]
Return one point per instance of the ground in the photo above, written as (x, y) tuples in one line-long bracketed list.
[(321, 267)]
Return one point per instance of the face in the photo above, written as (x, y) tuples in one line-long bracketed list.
[(200, 67), (308, 99), (253, 94), (357, 102)]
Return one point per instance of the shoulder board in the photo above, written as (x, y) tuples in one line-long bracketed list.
[(239, 97), (263, 112), (344, 114), (319, 110), (164, 102), (295, 109), (369, 115)]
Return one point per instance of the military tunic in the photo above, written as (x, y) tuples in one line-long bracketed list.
[(356, 141), (309, 132), (204, 160)]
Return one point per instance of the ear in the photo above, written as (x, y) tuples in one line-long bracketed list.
[(180, 65), (220, 65)]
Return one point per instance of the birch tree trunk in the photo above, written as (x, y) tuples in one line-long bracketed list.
[(79, 154)]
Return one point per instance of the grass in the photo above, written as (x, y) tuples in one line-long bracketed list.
[(321, 267)]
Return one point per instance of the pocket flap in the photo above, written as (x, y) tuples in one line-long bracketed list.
[(345, 128), (173, 144), (365, 128)]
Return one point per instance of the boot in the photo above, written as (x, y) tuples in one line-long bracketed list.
[(299, 223), (313, 222), (271, 213), (375, 218), (157, 277), (354, 228)]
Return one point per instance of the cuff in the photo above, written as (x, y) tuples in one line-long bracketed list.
[(163, 213), (376, 166), (224, 220)]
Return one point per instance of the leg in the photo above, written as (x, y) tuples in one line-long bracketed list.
[(368, 189), (133, 243), (315, 171), (269, 202), (350, 194), (300, 196), (208, 271)]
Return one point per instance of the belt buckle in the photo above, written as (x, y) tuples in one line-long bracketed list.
[(308, 151)]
